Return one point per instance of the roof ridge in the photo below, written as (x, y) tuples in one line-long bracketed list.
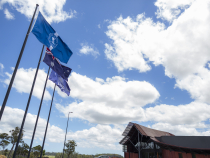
[(145, 132)]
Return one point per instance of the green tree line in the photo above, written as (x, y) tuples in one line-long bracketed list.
[(110, 155), (77, 155), (23, 148)]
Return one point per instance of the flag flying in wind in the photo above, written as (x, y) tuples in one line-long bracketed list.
[(54, 64), (60, 82), (47, 36)]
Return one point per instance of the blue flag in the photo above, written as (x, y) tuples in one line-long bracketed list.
[(60, 82), (54, 64), (47, 36)]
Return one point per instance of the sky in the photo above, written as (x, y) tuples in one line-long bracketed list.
[(138, 61)]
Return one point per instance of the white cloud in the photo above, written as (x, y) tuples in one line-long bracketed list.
[(114, 91), (129, 38), (112, 101), (174, 119), (8, 15), (24, 79), (52, 9), (12, 117), (181, 130), (1, 69), (116, 101), (106, 136), (191, 115), (170, 9), (197, 85), (89, 49), (1, 66), (102, 136), (182, 48)]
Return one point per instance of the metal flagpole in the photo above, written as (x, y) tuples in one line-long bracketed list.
[(26, 110), (16, 66), (37, 118), (47, 122), (66, 133)]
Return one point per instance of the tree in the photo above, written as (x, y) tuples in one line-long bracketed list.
[(14, 137), (70, 147), (5, 152), (58, 155), (23, 149), (37, 151), (4, 137)]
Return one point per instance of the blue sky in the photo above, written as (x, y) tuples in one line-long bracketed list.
[(140, 61)]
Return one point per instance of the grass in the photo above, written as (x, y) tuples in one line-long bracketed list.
[(50, 156)]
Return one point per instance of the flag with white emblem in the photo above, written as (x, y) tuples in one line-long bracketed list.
[(47, 36), (54, 64)]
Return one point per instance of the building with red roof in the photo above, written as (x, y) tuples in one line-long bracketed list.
[(143, 142)]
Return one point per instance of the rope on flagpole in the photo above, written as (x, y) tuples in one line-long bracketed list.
[(47, 122), (16, 67)]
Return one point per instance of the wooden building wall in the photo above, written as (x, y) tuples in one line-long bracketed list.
[(168, 154), (132, 155), (174, 154)]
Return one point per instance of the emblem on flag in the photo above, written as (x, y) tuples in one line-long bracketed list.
[(52, 64), (53, 40), (49, 37)]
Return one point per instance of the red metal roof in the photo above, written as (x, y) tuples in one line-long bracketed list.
[(151, 132)]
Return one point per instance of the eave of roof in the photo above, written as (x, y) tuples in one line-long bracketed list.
[(152, 133), (157, 141)]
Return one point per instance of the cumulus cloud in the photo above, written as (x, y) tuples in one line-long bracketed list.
[(111, 102), (187, 119), (129, 38), (182, 48), (197, 85), (114, 91), (114, 100), (89, 49), (170, 9), (1, 69), (117, 101), (52, 9), (131, 93), (103, 136), (24, 79), (191, 115), (8, 15), (12, 118), (181, 130)]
